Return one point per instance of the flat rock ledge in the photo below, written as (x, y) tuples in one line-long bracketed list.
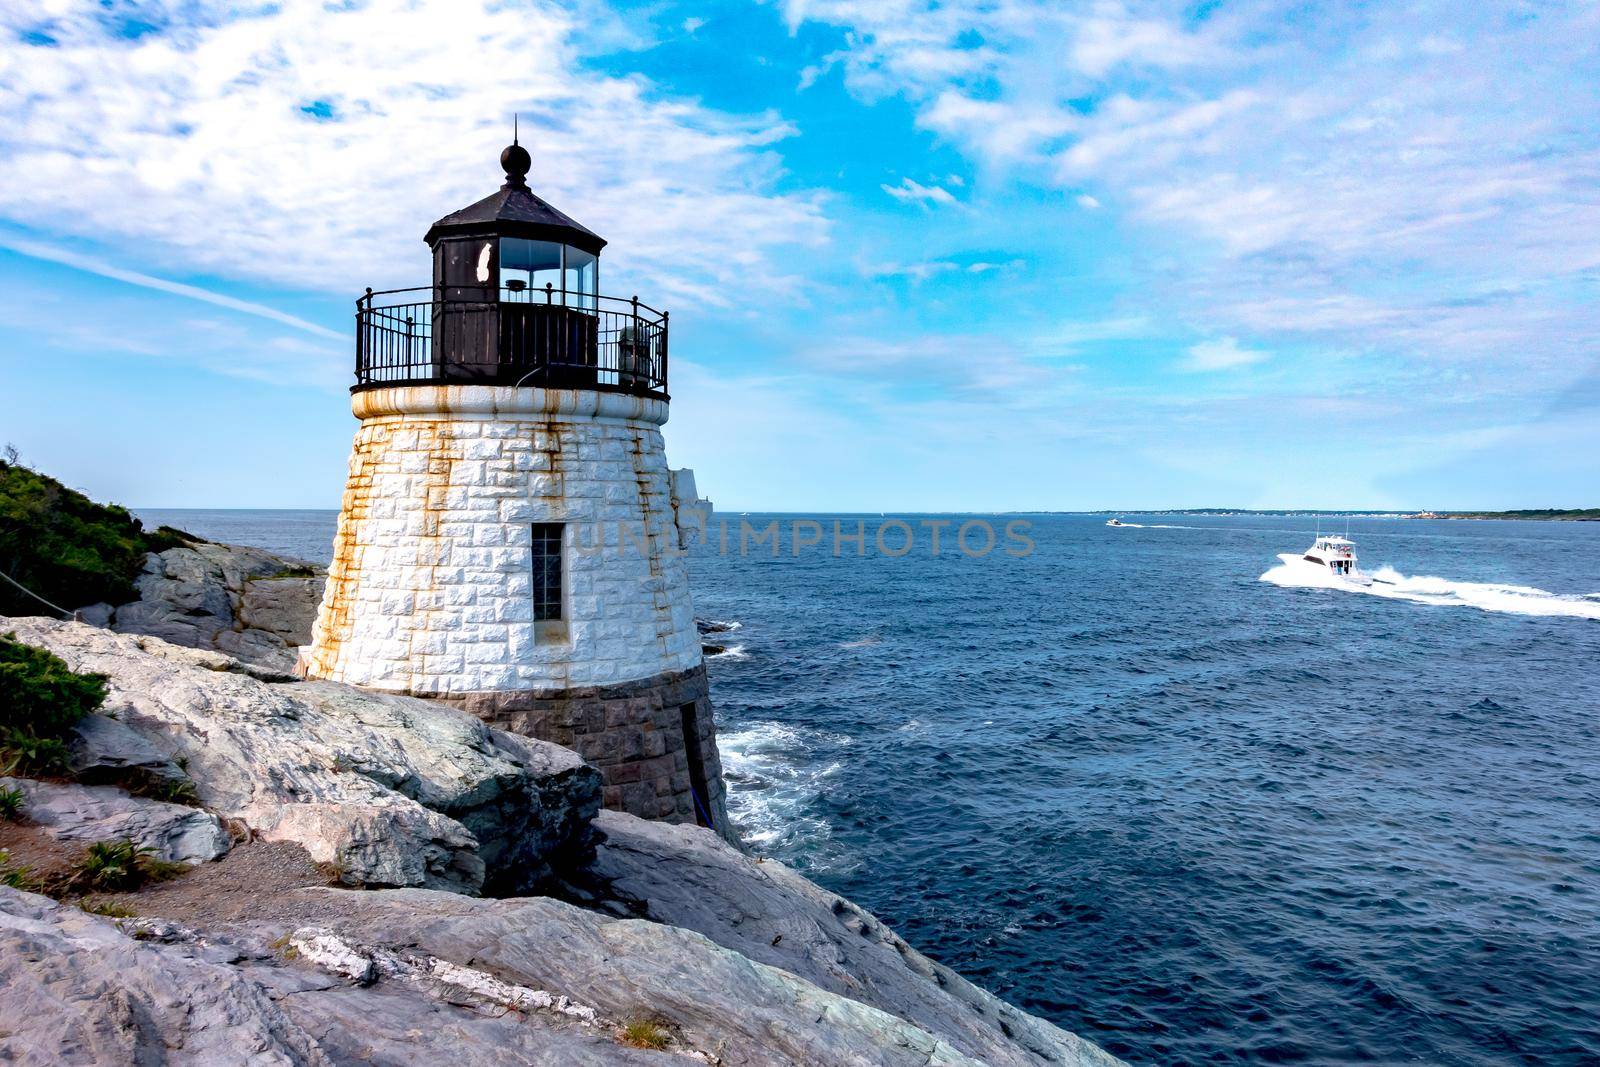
[(84, 814), (421, 977), (386, 790)]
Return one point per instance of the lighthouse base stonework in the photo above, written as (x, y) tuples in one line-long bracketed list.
[(653, 741)]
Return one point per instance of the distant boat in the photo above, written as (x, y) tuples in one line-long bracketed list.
[(1115, 522)]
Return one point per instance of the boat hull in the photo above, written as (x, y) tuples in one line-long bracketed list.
[(1313, 564)]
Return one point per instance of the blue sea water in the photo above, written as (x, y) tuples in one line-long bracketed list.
[(1193, 815)]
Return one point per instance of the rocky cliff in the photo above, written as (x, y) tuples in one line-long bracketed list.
[(377, 879), (252, 604)]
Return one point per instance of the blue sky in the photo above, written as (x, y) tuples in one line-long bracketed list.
[(971, 255)]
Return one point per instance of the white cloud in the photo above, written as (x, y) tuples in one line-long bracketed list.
[(912, 192), (1223, 354), (690, 25), (1087, 202), (310, 145), (1001, 131)]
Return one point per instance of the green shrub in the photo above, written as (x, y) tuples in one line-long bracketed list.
[(297, 570), (65, 547), (166, 537), (10, 804), (41, 698), (25, 754), (111, 866)]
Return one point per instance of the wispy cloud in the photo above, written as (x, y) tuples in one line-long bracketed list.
[(49, 254), (1223, 354), (913, 192), (933, 268)]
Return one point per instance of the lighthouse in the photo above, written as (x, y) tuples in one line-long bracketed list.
[(509, 539)]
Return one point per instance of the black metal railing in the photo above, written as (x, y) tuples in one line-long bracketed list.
[(511, 336)]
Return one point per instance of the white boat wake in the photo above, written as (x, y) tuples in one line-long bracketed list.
[(1150, 526), (1296, 573)]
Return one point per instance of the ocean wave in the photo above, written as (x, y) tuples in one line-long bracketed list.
[(775, 782), (730, 652), (1297, 573)]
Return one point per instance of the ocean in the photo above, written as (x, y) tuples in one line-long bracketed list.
[(1156, 785)]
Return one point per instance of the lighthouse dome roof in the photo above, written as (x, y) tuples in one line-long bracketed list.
[(514, 210)]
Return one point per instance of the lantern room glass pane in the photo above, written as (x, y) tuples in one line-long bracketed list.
[(583, 276), (526, 267)]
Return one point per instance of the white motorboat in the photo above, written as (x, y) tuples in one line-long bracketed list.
[(1115, 522), (1337, 555)]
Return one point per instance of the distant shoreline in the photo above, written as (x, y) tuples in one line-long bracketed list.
[(1536, 514)]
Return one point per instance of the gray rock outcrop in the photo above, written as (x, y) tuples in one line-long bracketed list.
[(712, 1000), (81, 990), (388, 790), (83, 814), (416, 976), (77, 990), (247, 602), (105, 751), (768, 913)]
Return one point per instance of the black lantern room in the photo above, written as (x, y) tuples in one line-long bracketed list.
[(515, 300), (513, 241)]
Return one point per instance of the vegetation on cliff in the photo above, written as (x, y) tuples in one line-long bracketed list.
[(41, 699), (65, 547)]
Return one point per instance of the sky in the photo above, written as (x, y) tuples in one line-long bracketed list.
[(969, 255)]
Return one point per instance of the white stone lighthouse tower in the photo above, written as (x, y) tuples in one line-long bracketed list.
[(508, 539)]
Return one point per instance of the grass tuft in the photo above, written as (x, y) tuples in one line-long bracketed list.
[(283, 947), (171, 790), (109, 908), (16, 876), (11, 802), (643, 1033)]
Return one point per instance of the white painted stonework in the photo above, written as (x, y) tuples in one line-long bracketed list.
[(430, 591)]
